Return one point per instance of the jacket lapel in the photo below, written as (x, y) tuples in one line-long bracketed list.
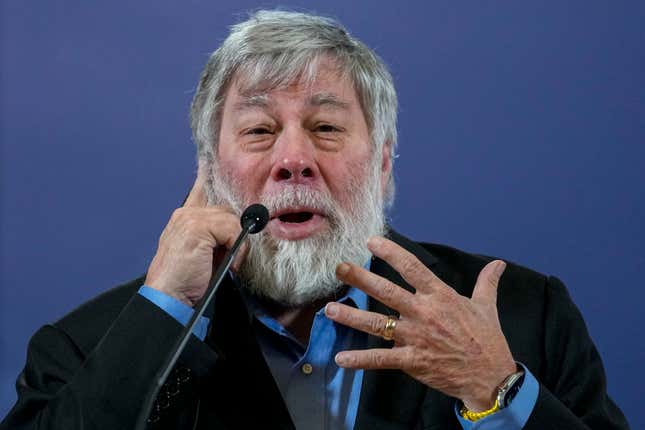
[(390, 399), (242, 381)]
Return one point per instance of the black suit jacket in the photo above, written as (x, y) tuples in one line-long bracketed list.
[(91, 369)]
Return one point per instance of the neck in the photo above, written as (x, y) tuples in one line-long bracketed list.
[(297, 320)]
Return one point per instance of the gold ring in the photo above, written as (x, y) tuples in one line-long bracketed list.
[(388, 331)]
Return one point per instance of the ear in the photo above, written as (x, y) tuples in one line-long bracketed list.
[(386, 165)]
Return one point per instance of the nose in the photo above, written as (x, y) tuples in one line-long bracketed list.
[(294, 158)]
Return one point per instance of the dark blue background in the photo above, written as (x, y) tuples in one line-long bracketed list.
[(522, 131)]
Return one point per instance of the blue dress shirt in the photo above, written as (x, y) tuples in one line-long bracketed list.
[(318, 393)]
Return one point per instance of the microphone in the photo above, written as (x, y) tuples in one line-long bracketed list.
[(253, 220)]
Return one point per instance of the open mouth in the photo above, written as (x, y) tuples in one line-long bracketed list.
[(296, 223), (296, 217)]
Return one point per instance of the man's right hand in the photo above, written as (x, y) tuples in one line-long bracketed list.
[(193, 242)]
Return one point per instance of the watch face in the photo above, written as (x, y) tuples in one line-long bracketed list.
[(510, 393)]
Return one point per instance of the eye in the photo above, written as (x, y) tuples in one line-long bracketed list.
[(327, 128), (258, 131), (257, 137)]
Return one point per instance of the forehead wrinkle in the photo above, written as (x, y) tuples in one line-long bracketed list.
[(263, 100)]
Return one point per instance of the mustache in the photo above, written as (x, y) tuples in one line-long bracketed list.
[(300, 196)]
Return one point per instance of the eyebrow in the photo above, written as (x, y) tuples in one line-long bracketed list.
[(328, 99), (251, 101)]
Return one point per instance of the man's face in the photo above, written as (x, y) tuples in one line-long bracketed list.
[(305, 152), (315, 136)]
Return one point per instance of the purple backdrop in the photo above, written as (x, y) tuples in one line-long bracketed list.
[(522, 132)]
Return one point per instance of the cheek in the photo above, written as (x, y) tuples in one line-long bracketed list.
[(250, 170), (344, 175)]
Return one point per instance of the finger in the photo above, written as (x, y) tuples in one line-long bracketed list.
[(369, 322), (404, 262), (377, 287), (197, 196), (223, 225), (239, 257), (376, 358), (215, 225), (485, 290)]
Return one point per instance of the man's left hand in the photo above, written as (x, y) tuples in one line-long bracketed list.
[(447, 341)]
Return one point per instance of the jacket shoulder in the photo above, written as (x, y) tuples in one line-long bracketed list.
[(470, 264), (86, 324)]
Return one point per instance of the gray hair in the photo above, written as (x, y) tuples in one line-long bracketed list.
[(273, 49)]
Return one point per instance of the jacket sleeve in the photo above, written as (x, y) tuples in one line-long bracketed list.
[(573, 389), (63, 386)]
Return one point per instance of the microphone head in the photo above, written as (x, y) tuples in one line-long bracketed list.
[(255, 218)]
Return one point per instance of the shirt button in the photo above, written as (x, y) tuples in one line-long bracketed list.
[(307, 369)]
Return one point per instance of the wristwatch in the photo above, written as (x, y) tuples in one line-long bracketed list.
[(507, 391)]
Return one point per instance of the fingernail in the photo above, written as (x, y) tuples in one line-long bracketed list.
[(342, 269), (374, 242), (331, 309), (340, 358), (499, 268)]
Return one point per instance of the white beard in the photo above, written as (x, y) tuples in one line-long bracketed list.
[(295, 273)]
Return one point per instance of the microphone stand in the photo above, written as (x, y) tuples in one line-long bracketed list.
[(253, 220)]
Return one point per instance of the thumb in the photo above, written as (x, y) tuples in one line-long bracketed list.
[(485, 290), (197, 196)]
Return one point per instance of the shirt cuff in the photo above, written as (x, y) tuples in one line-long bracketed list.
[(176, 309), (512, 417)]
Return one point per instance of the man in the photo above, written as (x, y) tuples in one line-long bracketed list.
[(330, 319)]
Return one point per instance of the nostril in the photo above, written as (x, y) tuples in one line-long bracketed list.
[(307, 173), (284, 174)]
